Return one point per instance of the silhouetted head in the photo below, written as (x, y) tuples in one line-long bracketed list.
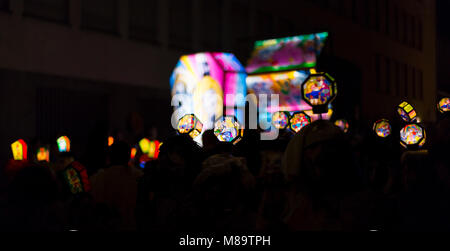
[(119, 153), (209, 140)]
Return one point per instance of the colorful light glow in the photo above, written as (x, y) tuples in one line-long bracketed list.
[(63, 144), (189, 124), (444, 105), (382, 128), (110, 141), (287, 53), (144, 144), (280, 120), (201, 83), (154, 149), (287, 85), (299, 120), (412, 134), (406, 112), (19, 150), (133, 152), (43, 154), (227, 129), (343, 124), (319, 89)]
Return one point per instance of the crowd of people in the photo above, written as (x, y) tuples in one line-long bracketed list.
[(318, 179)]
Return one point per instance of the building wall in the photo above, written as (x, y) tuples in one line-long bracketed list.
[(123, 51)]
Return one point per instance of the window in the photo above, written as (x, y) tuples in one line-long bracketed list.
[(388, 75), (405, 30), (405, 79), (377, 72), (51, 10), (180, 24), (397, 23), (377, 15), (420, 34), (100, 15), (420, 78), (397, 78), (143, 16), (387, 17), (413, 32), (413, 82)]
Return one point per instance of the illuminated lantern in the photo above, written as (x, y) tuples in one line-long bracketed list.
[(43, 154), (63, 144), (189, 124), (343, 124), (406, 112), (144, 144), (206, 83), (280, 120), (444, 105), (77, 178), (382, 128), (228, 129), (19, 150), (133, 152), (154, 149), (318, 91), (298, 120), (412, 136), (110, 141)]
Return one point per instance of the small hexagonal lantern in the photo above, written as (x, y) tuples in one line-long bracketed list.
[(444, 105), (343, 124), (318, 90), (190, 124), (382, 128), (133, 153), (19, 150), (280, 120), (43, 154), (412, 136), (228, 129), (406, 112), (63, 144), (298, 120)]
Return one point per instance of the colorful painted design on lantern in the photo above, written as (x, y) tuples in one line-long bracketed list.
[(227, 129), (280, 120), (43, 154), (282, 54), (63, 144), (190, 124), (318, 90), (186, 124), (412, 134), (298, 121), (110, 141), (287, 85), (407, 112), (343, 124), (19, 150), (382, 128), (74, 180), (444, 105)]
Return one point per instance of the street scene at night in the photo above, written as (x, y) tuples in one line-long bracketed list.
[(224, 116)]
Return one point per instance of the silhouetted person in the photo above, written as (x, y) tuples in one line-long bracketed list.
[(116, 186), (33, 202), (324, 182)]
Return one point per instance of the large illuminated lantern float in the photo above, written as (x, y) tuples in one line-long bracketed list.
[(200, 84), (281, 66)]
